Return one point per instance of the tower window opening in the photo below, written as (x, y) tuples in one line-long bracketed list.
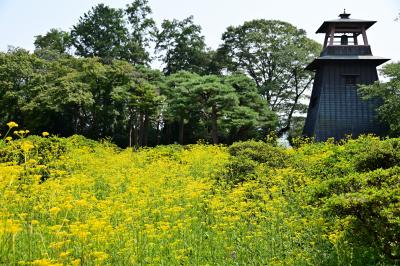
[(350, 80), (344, 40)]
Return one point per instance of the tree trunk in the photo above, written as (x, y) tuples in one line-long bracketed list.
[(146, 129), (181, 129), (286, 128), (141, 129), (158, 132), (75, 119), (136, 136), (214, 125), (168, 132), (130, 126)]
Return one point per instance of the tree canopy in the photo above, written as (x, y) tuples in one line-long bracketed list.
[(181, 46), (274, 54), (56, 40)]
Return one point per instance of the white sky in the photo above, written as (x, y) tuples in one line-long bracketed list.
[(21, 20)]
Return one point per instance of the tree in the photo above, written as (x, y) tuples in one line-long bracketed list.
[(252, 118), (17, 73), (56, 40), (389, 93), (274, 54), (143, 30), (215, 101), (181, 46), (136, 100), (61, 102), (179, 90), (43, 95), (102, 32)]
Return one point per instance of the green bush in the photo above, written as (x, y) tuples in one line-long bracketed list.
[(378, 154), (260, 152), (246, 156), (372, 201), (366, 196)]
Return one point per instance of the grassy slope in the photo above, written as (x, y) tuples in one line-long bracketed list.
[(95, 204)]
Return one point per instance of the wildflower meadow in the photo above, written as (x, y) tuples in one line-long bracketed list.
[(74, 201)]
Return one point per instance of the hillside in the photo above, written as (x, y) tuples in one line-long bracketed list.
[(74, 201)]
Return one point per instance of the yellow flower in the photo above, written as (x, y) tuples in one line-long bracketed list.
[(45, 262), (12, 124), (45, 134), (9, 138), (26, 146), (65, 254), (54, 210), (21, 133), (76, 262), (99, 256)]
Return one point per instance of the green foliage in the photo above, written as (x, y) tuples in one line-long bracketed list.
[(388, 93), (251, 157), (260, 152), (216, 102), (101, 32), (274, 54), (178, 90), (377, 155), (355, 185), (253, 117), (181, 46), (352, 188), (56, 40), (227, 108), (142, 30), (132, 105)]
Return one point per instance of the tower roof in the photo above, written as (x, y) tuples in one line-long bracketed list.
[(375, 60), (345, 22)]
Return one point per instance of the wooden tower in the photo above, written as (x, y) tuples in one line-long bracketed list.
[(336, 109)]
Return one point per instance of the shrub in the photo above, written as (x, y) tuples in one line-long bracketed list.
[(246, 156), (372, 202), (260, 152), (376, 154)]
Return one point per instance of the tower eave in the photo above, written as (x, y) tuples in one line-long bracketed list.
[(376, 60), (345, 23)]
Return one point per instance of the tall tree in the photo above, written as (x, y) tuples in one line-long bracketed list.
[(55, 39), (179, 90), (142, 30), (252, 118), (102, 32), (181, 46), (274, 54), (61, 102), (215, 101), (137, 102), (17, 74)]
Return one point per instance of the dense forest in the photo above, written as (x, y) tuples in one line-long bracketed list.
[(96, 80)]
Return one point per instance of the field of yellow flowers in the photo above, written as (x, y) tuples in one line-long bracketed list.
[(79, 202)]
